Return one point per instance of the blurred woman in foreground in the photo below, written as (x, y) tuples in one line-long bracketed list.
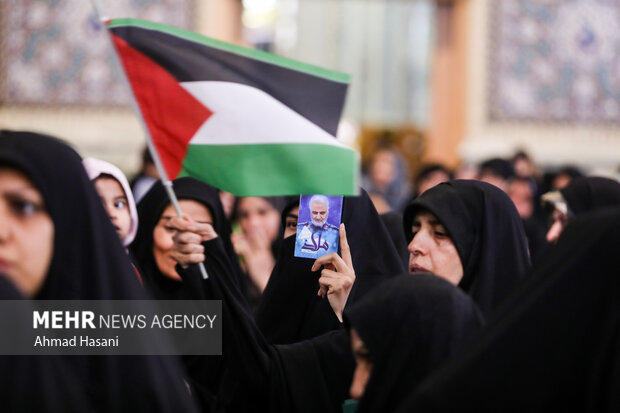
[(57, 243)]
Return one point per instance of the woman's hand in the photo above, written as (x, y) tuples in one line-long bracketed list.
[(188, 238), (337, 276)]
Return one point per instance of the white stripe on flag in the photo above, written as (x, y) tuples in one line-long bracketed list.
[(246, 115)]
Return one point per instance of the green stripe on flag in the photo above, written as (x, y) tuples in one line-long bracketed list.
[(274, 169), (233, 48)]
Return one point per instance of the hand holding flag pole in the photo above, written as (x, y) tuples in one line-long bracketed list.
[(149, 141)]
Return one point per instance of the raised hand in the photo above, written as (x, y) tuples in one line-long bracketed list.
[(337, 275), (188, 238)]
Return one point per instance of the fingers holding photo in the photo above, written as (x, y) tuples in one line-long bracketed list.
[(337, 275)]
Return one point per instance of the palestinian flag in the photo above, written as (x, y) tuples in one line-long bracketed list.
[(243, 120)]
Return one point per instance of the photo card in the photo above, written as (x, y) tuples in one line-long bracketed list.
[(318, 225)]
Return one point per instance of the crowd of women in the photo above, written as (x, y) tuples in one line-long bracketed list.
[(437, 308)]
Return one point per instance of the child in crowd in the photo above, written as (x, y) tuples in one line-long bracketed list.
[(115, 193)]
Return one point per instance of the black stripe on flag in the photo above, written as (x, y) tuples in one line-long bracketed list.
[(317, 99)]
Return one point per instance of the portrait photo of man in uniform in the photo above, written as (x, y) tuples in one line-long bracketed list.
[(317, 228)]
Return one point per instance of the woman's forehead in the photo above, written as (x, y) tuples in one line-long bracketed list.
[(251, 202), (424, 215), (195, 209), (15, 177), (14, 180)]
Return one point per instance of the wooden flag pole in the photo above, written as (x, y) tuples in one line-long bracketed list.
[(149, 140)]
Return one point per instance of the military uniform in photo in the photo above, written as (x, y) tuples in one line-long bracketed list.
[(314, 241)]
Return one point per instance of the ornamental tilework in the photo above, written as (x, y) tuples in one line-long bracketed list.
[(55, 52), (555, 61)]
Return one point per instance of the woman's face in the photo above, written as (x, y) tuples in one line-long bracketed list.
[(432, 250), (26, 232), (521, 195), (115, 203), (383, 169), (363, 366), (290, 222), (258, 217), (162, 234)]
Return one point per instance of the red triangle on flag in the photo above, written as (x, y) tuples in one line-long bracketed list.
[(171, 114)]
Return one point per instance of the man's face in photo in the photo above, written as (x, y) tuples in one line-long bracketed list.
[(319, 214)]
